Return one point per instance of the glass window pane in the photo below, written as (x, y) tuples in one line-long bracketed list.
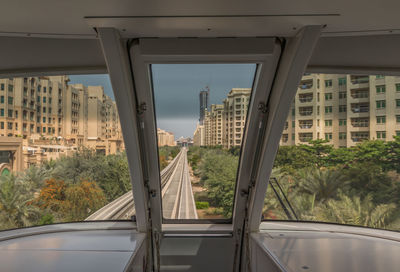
[(201, 112), (63, 156), (346, 173)]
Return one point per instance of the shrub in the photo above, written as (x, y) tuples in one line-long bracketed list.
[(202, 205)]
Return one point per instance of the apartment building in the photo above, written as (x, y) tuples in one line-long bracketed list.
[(51, 116), (199, 135), (224, 123), (165, 138), (344, 109), (31, 107), (236, 106)]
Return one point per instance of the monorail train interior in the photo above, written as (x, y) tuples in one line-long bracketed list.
[(199, 135)]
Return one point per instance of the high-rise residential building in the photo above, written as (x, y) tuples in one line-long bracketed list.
[(165, 138), (224, 123), (344, 109), (203, 98), (29, 107), (50, 115), (235, 112), (199, 136)]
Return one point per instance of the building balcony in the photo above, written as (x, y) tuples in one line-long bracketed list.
[(305, 137), (360, 82), (306, 124), (360, 93), (305, 98), (306, 84), (360, 107), (360, 122), (305, 111), (359, 136), (359, 79)]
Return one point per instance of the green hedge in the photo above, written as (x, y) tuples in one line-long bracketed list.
[(202, 205)]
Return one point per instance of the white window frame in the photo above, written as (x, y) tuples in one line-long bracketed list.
[(264, 52)]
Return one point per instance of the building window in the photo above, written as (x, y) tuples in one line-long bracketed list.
[(293, 112), (10, 88), (381, 104), (398, 87), (328, 123), (342, 135), (44, 129), (328, 136), (10, 113), (342, 122), (328, 109), (397, 103), (44, 99), (317, 110), (44, 109), (293, 136), (397, 132), (44, 89), (328, 83), (342, 81), (381, 119), (397, 118), (328, 96), (2, 86), (342, 108), (381, 134), (38, 129), (293, 124), (10, 100), (342, 95), (44, 119), (2, 99), (9, 125), (2, 125), (379, 76), (380, 89), (1, 112)]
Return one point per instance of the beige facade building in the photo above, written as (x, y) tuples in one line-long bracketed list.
[(344, 109), (199, 136), (165, 138), (53, 117), (224, 123)]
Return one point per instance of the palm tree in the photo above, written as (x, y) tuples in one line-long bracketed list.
[(323, 183), (355, 211), (15, 207), (34, 177)]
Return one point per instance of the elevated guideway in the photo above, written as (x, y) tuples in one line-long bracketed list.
[(177, 195)]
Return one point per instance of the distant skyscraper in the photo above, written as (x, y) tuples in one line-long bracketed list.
[(203, 103)]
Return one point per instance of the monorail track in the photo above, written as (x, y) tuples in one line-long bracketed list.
[(178, 200)]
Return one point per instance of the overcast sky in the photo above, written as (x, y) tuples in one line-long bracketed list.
[(94, 80), (177, 87)]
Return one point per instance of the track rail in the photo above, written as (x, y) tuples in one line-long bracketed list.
[(123, 207)]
